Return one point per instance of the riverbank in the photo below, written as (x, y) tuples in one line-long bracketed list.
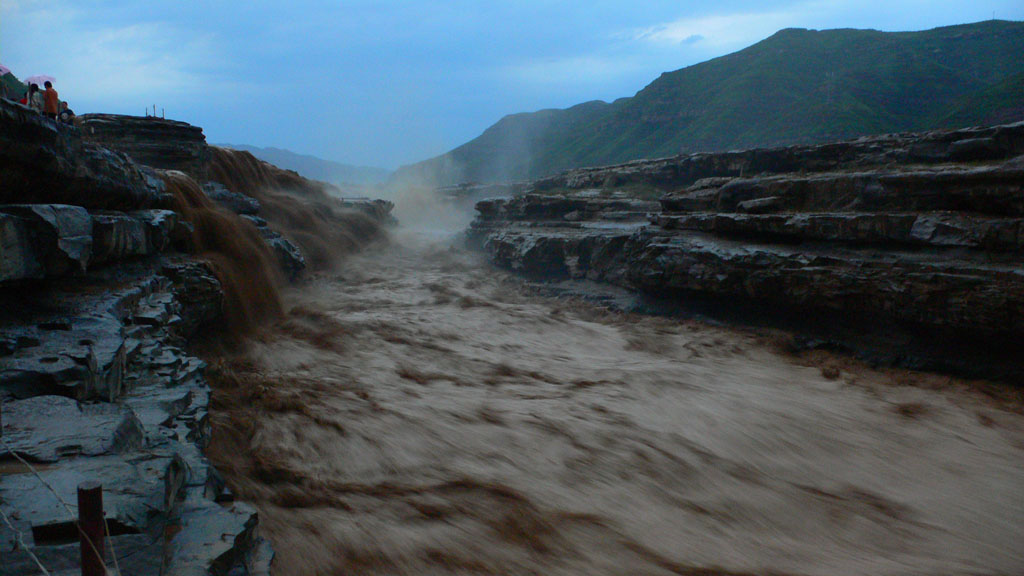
[(110, 271), (903, 249)]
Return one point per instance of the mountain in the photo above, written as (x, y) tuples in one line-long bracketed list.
[(317, 168), (797, 86)]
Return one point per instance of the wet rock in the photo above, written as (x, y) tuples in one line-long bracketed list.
[(159, 225), (697, 201), (594, 255), (42, 164), (18, 257), (191, 551), (43, 240), (78, 357), (288, 254), (970, 294), (760, 205), (924, 229), (237, 203), (377, 209), (183, 238), (117, 236), (198, 291), (892, 230), (993, 190), (48, 428), (156, 142), (120, 236)]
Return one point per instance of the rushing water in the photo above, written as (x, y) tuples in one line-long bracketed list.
[(418, 413)]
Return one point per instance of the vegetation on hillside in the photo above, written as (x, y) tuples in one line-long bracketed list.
[(798, 86)]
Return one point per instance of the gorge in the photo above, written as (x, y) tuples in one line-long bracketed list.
[(268, 378)]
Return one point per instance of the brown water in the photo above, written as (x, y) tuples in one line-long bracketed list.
[(241, 260), (418, 413)]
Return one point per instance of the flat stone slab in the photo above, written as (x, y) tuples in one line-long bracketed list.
[(133, 490), (193, 552), (49, 428)]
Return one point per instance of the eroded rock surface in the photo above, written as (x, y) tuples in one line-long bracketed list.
[(149, 140), (918, 235), (42, 162), (131, 414), (102, 291)]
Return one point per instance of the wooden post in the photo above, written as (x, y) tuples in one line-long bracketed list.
[(90, 520)]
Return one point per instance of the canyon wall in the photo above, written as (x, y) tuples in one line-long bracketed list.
[(117, 252), (906, 248)]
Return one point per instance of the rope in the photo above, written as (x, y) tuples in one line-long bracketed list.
[(110, 542), (21, 543), (73, 513)]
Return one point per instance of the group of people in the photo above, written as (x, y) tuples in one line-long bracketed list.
[(48, 103)]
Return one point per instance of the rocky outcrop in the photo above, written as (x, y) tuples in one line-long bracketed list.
[(101, 293), (905, 247), (679, 172), (42, 162), (156, 142), (98, 388)]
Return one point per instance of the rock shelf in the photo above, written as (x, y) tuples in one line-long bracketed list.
[(101, 294), (912, 239)]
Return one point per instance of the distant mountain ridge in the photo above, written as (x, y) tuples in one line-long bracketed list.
[(317, 168), (797, 86)]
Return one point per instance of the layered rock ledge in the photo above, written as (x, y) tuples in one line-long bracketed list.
[(102, 291), (906, 248)]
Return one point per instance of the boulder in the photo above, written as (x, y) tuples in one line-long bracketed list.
[(117, 236), (159, 226), (199, 293), (43, 240), (237, 203), (288, 254)]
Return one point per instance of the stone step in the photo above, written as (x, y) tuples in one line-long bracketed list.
[(991, 144), (578, 207), (996, 190), (49, 428), (929, 289), (936, 229)]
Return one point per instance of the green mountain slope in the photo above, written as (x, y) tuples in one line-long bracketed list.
[(798, 86)]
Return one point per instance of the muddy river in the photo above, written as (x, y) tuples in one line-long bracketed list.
[(418, 412)]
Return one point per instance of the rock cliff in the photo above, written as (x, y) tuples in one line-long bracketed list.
[(115, 252), (152, 141), (906, 248)]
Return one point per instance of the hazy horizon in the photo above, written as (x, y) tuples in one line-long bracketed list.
[(388, 84)]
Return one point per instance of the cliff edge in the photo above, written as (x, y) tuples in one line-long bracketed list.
[(907, 248), (116, 252)]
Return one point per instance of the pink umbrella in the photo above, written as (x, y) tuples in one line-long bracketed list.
[(40, 79)]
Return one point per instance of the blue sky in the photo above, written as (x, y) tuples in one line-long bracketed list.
[(389, 83)]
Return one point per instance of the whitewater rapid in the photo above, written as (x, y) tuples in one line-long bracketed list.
[(419, 412)]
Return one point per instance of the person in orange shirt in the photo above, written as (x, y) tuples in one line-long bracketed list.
[(51, 102)]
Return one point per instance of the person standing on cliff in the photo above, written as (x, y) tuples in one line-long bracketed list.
[(51, 101), (34, 98), (67, 115)]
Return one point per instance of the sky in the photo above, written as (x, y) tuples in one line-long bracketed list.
[(388, 83)]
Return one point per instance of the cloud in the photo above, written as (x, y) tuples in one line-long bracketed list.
[(116, 66), (719, 32)]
